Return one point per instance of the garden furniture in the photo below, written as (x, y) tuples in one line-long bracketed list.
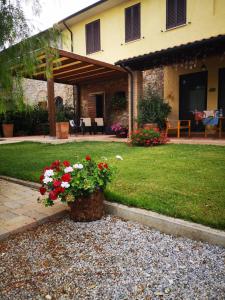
[(98, 125), (177, 125), (86, 125)]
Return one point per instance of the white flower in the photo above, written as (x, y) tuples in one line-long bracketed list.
[(49, 173), (65, 184), (119, 157), (78, 166), (47, 179), (68, 170)]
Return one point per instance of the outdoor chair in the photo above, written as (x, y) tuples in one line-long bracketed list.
[(73, 127), (86, 126), (98, 125), (177, 125)]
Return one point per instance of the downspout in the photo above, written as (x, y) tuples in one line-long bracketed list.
[(128, 70), (71, 35)]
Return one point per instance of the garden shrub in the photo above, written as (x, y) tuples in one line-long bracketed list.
[(152, 109), (148, 137)]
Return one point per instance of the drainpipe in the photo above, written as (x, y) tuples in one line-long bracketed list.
[(71, 35), (128, 70)]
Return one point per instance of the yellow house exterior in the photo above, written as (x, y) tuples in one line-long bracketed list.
[(204, 19)]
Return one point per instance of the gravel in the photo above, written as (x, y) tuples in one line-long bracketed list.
[(108, 259)]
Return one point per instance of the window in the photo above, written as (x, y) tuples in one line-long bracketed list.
[(93, 37), (175, 13), (133, 22)]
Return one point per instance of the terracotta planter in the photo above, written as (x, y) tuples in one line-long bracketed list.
[(7, 130), (150, 126), (62, 130), (86, 209)]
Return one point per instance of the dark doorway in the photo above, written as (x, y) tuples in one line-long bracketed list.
[(99, 105), (221, 92), (193, 96)]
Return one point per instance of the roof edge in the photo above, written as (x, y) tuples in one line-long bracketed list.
[(83, 10)]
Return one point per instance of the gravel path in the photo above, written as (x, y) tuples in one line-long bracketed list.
[(108, 259)]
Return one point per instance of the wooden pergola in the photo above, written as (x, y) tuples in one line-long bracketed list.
[(72, 69)]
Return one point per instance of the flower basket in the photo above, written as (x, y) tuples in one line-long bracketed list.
[(78, 185), (89, 208)]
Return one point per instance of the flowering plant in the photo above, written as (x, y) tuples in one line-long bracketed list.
[(68, 182), (148, 137), (119, 130)]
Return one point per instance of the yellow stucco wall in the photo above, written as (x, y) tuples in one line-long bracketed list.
[(205, 18), (171, 82)]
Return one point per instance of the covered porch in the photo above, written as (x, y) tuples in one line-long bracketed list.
[(194, 81), (94, 82)]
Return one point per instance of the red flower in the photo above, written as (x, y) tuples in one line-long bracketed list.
[(56, 183), (66, 177), (42, 177), (88, 157), (66, 163), (47, 168), (100, 166), (53, 195), (55, 164), (106, 166), (59, 190), (42, 190)]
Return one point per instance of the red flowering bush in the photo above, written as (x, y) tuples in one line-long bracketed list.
[(68, 182), (148, 137)]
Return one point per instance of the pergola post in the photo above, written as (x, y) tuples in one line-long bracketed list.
[(51, 106)]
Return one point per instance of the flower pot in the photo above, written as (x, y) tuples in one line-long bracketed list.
[(149, 126), (89, 208), (62, 130), (7, 130)]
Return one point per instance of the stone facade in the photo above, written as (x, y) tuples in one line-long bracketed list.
[(154, 79), (35, 91)]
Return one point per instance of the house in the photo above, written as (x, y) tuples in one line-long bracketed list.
[(176, 46)]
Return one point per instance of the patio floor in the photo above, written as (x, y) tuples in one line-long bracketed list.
[(198, 140), (19, 208)]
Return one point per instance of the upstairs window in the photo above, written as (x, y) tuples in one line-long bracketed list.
[(133, 22), (93, 43), (175, 13)]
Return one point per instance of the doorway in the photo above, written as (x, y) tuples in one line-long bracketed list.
[(221, 92), (99, 105), (193, 96)]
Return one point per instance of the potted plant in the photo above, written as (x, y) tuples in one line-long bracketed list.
[(120, 130), (78, 185), (7, 125), (62, 125), (152, 111)]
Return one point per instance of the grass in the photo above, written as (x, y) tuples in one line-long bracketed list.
[(184, 181)]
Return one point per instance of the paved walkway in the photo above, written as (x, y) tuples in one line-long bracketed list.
[(19, 208), (107, 138), (73, 138)]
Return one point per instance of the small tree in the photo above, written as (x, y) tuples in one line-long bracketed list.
[(152, 109), (20, 52)]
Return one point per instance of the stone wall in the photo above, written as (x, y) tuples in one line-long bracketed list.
[(154, 79), (35, 91)]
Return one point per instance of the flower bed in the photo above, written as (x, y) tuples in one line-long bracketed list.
[(119, 130), (148, 137)]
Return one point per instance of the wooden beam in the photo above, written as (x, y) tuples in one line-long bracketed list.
[(76, 73), (51, 106)]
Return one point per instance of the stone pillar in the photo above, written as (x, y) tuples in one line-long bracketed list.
[(135, 91)]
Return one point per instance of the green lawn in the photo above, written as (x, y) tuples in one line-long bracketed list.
[(184, 181)]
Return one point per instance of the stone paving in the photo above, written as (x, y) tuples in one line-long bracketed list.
[(108, 138), (19, 208)]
